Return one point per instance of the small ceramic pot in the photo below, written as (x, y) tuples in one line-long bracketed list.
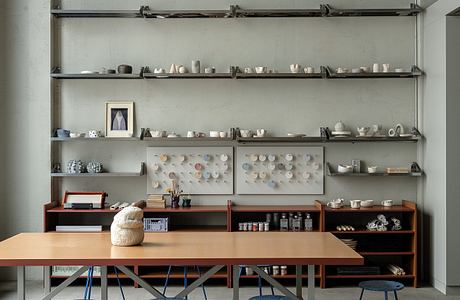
[(63, 133), (196, 67), (295, 68), (125, 69), (372, 169)]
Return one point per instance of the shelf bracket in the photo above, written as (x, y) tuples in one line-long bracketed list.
[(415, 131), (416, 71), (325, 8), (415, 9), (324, 72), (233, 71), (233, 11), (56, 70), (143, 10)]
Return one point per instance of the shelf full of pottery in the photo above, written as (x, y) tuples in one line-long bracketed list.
[(208, 71), (354, 170), (79, 168), (235, 11)]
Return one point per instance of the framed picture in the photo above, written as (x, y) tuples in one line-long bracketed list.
[(119, 119)]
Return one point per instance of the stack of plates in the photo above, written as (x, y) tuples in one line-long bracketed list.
[(350, 243), (341, 133)]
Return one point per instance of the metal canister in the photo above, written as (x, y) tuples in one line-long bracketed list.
[(284, 270), (276, 270), (255, 226), (266, 226), (261, 226), (245, 226), (276, 220), (240, 226)]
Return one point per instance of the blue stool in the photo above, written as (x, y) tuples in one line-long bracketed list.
[(185, 282), (259, 281), (270, 297), (381, 286)]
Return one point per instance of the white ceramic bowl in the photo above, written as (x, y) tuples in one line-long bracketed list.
[(345, 169), (214, 134), (372, 169), (367, 203)]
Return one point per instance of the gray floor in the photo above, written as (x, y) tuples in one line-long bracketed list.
[(34, 291)]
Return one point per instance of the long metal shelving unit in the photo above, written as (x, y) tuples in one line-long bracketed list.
[(234, 11)]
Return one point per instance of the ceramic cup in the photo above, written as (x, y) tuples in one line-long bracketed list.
[(209, 70), (223, 134), (356, 70), (261, 132), (159, 71), (333, 204), (309, 70), (363, 130), (376, 129), (248, 70), (339, 126), (376, 68), (196, 66), (214, 134), (260, 70), (367, 203), (387, 203), (372, 169), (386, 68), (191, 134), (295, 68), (245, 133), (399, 70), (157, 133), (355, 203), (125, 69), (182, 70)]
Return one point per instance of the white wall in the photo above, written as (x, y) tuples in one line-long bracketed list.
[(435, 112)]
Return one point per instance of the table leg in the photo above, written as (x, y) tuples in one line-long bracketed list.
[(311, 282), (47, 279), (298, 280), (104, 289), (236, 282), (21, 282)]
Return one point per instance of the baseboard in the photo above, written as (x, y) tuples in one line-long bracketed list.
[(453, 290)]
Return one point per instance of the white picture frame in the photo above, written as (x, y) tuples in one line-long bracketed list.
[(119, 119)]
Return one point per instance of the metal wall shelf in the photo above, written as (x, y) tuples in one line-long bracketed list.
[(332, 172), (235, 73), (234, 11), (108, 174)]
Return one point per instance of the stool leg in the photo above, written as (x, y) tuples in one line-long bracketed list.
[(167, 280), (362, 292), (386, 295), (185, 279), (396, 295), (259, 281)]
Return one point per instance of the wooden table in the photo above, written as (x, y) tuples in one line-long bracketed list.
[(178, 248)]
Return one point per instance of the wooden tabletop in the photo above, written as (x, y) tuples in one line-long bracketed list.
[(198, 248)]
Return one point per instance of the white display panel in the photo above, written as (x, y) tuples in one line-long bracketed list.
[(280, 170), (198, 170)]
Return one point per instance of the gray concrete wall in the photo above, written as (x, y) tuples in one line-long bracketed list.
[(453, 150), (280, 106)]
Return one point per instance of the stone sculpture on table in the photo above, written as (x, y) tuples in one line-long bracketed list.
[(127, 228)]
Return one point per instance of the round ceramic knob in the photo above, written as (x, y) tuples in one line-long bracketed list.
[(306, 175), (172, 175), (263, 175), (198, 166), (254, 175), (156, 184), (197, 174), (163, 157), (225, 167), (272, 157), (289, 167), (223, 157), (182, 158), (316, 166), (281, 166), (254, 157), (207, 157), (215, 175), (156, 167), (207, 175), (271, 184), (308, 157), (246, 166), (289, 157), (289, 175), (271, 166), (262, 157)]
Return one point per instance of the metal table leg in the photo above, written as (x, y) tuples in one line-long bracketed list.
[(298, 281), (273, 282), (104, 289), (47, 279), (236, 282), (21, 282), (66, 283), (311, 282)]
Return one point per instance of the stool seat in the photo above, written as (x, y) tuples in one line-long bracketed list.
[(270, 297), (381, 285)]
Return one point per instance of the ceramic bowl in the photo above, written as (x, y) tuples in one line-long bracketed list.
[(125, 69), (214, 134), (367, 203), (76, 135), (345, 169), (157, 133), (245, 133), (372, 169)]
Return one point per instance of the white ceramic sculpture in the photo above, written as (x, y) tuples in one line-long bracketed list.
[(127, 228)]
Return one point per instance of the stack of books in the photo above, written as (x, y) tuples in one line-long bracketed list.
[(156, 201)]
